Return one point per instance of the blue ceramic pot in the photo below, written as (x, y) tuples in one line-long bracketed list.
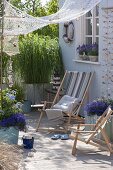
[(9, 135), (26, 106)]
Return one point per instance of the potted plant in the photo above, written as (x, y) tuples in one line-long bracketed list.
[(39, 56), (93, 52), (82, 50), (11, 118), (88, 52), (96, 107)]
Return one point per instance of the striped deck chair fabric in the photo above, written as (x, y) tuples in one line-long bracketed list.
[(75, 86)]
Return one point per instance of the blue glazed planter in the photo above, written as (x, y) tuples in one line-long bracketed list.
[(9, 135), (26, 106), (108, 127)]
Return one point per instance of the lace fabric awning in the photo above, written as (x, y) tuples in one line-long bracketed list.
[(17, 22)]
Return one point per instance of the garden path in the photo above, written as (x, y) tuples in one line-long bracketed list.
[(51, 154)]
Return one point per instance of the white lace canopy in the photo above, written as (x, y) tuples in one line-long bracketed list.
[(17, 22)]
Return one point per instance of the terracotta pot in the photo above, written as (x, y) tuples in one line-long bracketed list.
[(84, 57), (93, 58)]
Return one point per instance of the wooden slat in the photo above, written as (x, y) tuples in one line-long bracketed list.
[(107, 8), (81, 131)]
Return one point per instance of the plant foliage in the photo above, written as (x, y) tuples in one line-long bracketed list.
[(11, 115), (88, 49), (97, 107), (38, 57)]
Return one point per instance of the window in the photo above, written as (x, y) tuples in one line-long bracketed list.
[(88, 49), (92, 26)]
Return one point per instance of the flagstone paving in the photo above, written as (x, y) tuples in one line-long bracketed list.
[(49, 154)]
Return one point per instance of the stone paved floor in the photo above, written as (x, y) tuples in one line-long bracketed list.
[(51, 154)]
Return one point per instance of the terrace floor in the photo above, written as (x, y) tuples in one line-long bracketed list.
[(51, 154)]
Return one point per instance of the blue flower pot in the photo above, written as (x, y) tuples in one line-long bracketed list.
[(9, 135)]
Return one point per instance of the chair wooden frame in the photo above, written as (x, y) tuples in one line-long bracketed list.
[(90, 134), (75, 82)]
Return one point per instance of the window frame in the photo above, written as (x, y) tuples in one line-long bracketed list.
[(83, 36), (94, 18)]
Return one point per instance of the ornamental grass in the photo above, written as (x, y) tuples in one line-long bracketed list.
[(10, 157)]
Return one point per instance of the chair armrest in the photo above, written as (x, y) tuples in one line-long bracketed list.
[(83, 131), (82, 125), (47, 104)]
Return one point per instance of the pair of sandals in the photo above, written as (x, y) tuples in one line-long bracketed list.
[(60, 136)]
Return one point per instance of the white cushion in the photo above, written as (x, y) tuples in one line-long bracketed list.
[(67, 103), (54, 114)]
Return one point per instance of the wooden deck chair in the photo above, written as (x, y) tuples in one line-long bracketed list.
[(89, 136), (75, 85)]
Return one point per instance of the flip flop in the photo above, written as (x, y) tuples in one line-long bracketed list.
[(64, 137), (56, 136)]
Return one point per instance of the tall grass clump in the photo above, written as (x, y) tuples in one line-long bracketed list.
[(39, 56)]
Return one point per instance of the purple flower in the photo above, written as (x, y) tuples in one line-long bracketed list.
[(11, 96), (96, 107), (88, 49), (17, 120)]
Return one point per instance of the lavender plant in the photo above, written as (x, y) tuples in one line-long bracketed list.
[(82, 49), (96, 107), (11, 115), (88, 49), (17, 120)]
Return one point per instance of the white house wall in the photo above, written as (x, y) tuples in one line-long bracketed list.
[(103, 68), (107, 49)]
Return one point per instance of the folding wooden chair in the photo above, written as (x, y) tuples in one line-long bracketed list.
[(89, 136), (75, 86)]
